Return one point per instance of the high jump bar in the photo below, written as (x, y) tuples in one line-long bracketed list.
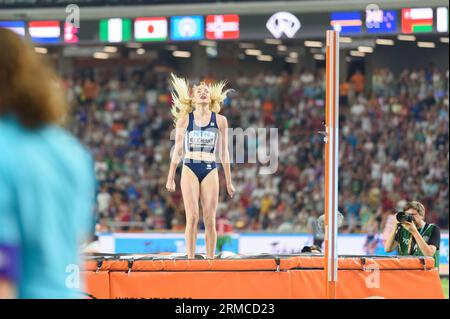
[(331, 162)]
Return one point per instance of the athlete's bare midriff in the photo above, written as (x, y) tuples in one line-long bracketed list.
[(201, 156)]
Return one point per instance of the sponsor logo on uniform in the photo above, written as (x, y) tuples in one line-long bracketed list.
[(201, 139)]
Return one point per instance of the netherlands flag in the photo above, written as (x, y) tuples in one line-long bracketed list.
[(16, 26), (44, 31)]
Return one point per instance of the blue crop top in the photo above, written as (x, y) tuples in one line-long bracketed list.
[(201, 139)]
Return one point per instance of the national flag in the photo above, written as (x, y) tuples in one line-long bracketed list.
[(187, 28), (442, 19), (150, 29), (381, 21), (222, 26), (44, 31), (346, 22), (417, 20), (16, 26), (115, 30), (70, 33)]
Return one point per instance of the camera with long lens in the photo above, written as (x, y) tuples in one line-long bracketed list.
[(403, 217)]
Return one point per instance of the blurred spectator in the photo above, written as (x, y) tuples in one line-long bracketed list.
[(357, 80), (103, 200)]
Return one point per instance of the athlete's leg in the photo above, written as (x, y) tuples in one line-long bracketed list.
[(190, 189), (209, 195)]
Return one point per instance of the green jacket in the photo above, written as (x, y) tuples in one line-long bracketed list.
[(430, 233)]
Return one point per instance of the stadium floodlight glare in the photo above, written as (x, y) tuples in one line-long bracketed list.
[(207, 43), (404, 37), (384, 42), (211, 51), (282, 48), (140, 51), (110, 49), (430, 45), (345, 40), (365, 49), (133, 45), (246, 45), (266, 58), (320, 57), (313, 44), (100, 55), (40, 50), (357, 53), (253, 52), (273, 41), (181, 54), (291, 60), (444, 39), (293, 55)]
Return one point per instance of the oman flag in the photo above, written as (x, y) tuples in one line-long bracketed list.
[(417, 20), (150, 29), (115, 30), (222, 26)]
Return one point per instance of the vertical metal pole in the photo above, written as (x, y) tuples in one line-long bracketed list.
[(331, 162)]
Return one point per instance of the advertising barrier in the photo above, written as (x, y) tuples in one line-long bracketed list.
[(259, 277), (250, 243)]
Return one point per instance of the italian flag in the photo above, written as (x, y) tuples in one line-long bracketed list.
[(417, 20), (115, 30), (150, 29)]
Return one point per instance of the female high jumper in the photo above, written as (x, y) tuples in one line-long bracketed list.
[(201, 130)]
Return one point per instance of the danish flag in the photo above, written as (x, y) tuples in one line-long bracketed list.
[(222, 26)]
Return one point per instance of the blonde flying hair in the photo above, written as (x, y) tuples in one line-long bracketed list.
[(29, 87), (182, 100)]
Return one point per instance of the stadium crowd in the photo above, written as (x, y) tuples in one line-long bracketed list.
[(393, 147)]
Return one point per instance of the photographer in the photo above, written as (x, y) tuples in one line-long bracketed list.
[(412, 235)]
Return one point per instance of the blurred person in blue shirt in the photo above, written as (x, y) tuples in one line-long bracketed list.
[(46, 180)]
